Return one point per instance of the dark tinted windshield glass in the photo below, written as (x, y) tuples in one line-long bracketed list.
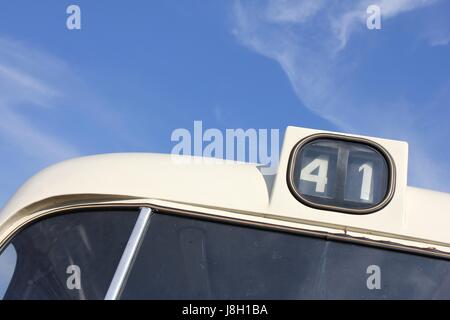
[(187, 258), (70, 256)]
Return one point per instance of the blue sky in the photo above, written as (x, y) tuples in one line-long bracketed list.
[(137, 70)]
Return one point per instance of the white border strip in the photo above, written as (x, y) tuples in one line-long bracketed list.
[(125, 264)]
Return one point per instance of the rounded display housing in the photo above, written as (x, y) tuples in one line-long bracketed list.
[(341, 173)]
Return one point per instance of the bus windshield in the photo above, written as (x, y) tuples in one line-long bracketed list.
[(185, 258), (181, 257)]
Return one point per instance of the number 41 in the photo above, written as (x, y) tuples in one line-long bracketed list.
[(321, 180)]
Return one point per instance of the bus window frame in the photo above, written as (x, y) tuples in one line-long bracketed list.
[(155, 209)]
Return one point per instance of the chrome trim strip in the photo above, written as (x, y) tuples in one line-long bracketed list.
[(129, 254)]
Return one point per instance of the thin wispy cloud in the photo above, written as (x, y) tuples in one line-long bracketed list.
[(441, 41), (49, 113), (31, 140), (436, 35), (28, 80), (348, 17), (309, 39), (35, 82)]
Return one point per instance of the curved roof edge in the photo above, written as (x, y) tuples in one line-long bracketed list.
[(203, 181)]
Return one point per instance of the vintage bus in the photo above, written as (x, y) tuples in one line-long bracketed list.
[(337, 221)]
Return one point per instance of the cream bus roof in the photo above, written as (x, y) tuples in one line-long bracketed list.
[(226, 186)]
